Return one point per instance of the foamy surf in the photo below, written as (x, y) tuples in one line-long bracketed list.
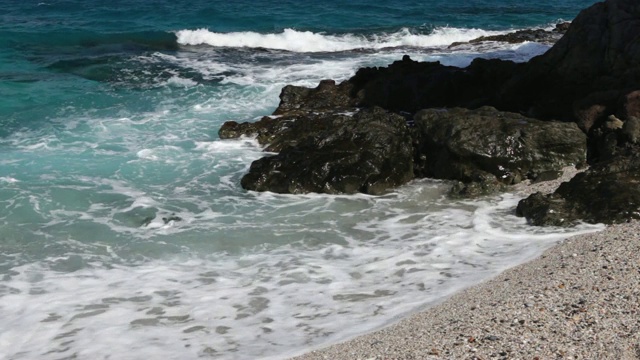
[(307, 41), (329, 267)]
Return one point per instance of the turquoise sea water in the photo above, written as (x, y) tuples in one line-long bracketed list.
[(124, 232)]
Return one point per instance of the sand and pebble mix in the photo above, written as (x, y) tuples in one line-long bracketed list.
[(578, 300)]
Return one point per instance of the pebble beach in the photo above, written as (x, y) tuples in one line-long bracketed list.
[(578, 300)]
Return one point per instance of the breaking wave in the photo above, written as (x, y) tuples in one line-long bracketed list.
[(307, 41)]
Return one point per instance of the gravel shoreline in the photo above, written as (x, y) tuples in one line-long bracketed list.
[(578, 300)]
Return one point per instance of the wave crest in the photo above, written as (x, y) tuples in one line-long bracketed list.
[(307, 41)]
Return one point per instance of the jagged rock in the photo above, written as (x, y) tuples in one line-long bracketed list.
[(279, 132), (264, 129), (606, 193), (545, 210), (599, 52), (369, 152), (327, 96), (460, 144), (562, 27)]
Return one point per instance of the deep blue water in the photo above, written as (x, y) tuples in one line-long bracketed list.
[(123, 229)]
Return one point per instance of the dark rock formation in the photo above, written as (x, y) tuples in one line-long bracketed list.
[(409, 86), (295, 102), (463, 144), (264, 129), (589, 74), (374, 150), (369, 152), (327, 96), (520, 36), (586, 75), (606, 193)]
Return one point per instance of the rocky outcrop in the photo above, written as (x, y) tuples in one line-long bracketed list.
[(608, 193), (369, 152), (588, 74), (373, 150), (327, 96), (463, 144), (408, 86), (520, 36), (593, 71), (276, 131)]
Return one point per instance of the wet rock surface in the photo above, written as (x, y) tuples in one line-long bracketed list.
[(460, 144), (369, 152), (409, 86), (607, 192)]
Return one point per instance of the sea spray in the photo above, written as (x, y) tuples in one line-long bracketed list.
[(326, 267)]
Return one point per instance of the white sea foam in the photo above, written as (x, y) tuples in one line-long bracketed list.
[(9, 179), (310, 269), (178, 81), (262, 81), (216, 147), (167, 153), (307, 41)]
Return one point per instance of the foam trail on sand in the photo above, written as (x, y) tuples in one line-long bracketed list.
[(325, 268)]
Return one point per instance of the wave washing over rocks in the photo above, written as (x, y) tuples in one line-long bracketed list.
[(488, 126)]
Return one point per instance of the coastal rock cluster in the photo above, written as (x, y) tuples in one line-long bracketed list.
[(486, 149), (486, 126)]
